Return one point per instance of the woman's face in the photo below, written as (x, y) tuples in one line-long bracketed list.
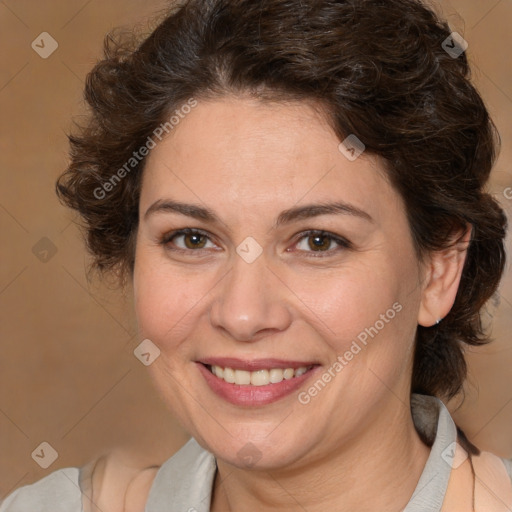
[(254, 290)]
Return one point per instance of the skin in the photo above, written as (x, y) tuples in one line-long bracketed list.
[(247, 161)]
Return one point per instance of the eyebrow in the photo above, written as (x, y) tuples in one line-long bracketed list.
[(315, 210), (285, 217)]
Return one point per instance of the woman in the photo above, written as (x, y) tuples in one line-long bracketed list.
[(295, 189)]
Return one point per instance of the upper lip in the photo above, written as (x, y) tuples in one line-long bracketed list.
[(254, 364)]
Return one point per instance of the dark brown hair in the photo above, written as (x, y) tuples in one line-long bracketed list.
[(380, 71)]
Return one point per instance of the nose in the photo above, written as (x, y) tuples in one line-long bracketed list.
[(250, 302)]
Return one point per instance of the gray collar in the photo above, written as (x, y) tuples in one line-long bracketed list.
[(431, 489), (184, 482)]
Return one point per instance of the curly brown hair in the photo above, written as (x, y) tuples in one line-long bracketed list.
[(381, 71)]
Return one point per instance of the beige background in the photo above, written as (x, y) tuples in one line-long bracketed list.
[(68, 375)]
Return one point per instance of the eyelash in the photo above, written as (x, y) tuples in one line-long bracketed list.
[(344, 244)]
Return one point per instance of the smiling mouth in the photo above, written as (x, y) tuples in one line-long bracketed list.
[(261, 377)]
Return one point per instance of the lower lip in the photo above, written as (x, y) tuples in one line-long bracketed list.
[(253, 395)]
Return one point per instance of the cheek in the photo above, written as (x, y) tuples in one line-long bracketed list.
[(167, 301), (351, 300), (367, 315)]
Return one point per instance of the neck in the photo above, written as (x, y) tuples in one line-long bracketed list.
[(380, 467)]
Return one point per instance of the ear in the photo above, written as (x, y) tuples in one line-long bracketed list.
[(442, 274)]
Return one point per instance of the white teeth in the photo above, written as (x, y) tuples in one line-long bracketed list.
[(288, 373), (242, 377), (229, 375), (300, 371), (258, 377), (275, 375)]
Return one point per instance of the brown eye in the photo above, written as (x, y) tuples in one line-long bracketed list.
[(319, 242), (194, 240), (186, 239)]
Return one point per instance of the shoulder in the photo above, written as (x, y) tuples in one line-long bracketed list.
[(59, 492), (116, 482), (120, 483), (493, 483), (109, 486), (483, 478), (137, 491)]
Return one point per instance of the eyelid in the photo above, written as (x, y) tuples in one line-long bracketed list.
[(166, 238), (342, 242), (183, 231)]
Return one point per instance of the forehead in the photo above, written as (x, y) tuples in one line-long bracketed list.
[(249, 154)]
